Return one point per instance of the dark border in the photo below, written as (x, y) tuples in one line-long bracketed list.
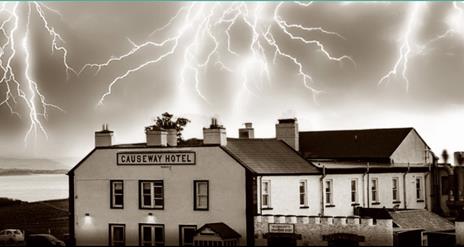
[(148, 224), (111, 194), (180, 232), (195, 195), (155, 152), (110, 235), (72, 233), (141, 198)]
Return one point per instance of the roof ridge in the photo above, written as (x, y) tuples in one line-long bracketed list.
[(339, 130)]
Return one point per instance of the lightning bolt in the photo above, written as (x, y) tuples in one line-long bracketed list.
[(17, 80), (203, 38)]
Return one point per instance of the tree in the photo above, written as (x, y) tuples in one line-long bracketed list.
[(167, 121)]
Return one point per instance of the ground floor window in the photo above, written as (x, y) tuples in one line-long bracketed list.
[(151, 235), (186, 234), (117, 234)]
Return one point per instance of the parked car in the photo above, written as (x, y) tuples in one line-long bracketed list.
[(43, 240), (11, 236)]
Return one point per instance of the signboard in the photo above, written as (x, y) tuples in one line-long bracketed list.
[(281, 228), (156, 158)]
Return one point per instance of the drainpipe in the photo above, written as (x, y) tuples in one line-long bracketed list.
[(368, 191), (404, 188), (322, 189), (425, 188)]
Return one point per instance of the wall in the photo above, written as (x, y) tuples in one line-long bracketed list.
[(92, 195), (412, 150), (312, 229), (342, 194)]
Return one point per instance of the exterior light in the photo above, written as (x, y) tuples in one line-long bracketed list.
[(87, 214), (150, 214)]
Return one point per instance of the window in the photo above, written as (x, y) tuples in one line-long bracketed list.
[(419, 189), (117, 235), (117, 194), (186, 234), (329, 192), (354, 190), (152, 194), (374, 190), (266, 193), (445, 185), (201, 195), (303, 193), (151, 235), (395, 189)]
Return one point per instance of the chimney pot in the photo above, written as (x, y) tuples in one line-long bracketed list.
[(156, 136), (215, 134), (246, 133), (104, 137), (172, 137)]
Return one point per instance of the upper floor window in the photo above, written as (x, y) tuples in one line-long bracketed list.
[(152, 194), (117, 194), (266, 193), (201, 195), (354, 190), (395, 189), (303, 193), (375, 190), (329, 191), (419, 188)]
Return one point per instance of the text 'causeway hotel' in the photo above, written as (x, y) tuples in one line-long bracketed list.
[(300, 188)]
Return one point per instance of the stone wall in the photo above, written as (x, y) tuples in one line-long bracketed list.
[(313, 228)]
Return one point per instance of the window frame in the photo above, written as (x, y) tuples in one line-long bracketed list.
[(374, 191), (328, 192), (304, 193), (395, 189), (113, 194), (110, 233), (419, 189), (154, 226), (354, 192), (195, 195), (267, 193), (181, 234), (153, 197)]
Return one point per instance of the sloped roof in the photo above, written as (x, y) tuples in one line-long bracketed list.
[(222, 230), (366, 144), (269, 156), (421, 218)]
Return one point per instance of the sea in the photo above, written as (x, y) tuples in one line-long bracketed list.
[(37, 187)]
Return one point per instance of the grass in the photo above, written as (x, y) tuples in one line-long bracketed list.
[(37, 217)]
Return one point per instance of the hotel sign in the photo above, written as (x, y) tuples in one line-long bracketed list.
[(281, 228), (156, 158)]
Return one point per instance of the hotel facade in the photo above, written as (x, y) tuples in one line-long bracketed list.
[(300, 188)]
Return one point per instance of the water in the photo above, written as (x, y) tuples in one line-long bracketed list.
[(34, 187)]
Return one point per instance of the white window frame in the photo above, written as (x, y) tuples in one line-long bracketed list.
[(114, 183), (375, 190), (396, 189), (154, 241), (354, 191), (201, 194), (419, 188), (153, 196), (328, 191), (266, 193), (114, 242), (303, 183)]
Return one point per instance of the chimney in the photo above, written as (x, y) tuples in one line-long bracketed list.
[(287, 131), (215, 134), (156, 136), (172, 137), (104, 137), (246, 133)]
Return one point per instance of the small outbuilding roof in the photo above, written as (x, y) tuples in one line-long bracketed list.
[(421, 218), (269, 156), (223, 230)]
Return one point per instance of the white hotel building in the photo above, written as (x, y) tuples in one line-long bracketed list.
[(298, 188)]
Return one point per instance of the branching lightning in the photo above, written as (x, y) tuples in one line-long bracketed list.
[(20, 90), (199, 24)]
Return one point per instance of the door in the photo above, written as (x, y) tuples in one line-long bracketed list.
[(186, 234), (281, 240)]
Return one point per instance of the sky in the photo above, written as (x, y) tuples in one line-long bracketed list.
[(332, 65)]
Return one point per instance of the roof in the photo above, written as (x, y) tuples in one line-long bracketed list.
[(366, 144), (422, 219), (222, 230), (269, 156)]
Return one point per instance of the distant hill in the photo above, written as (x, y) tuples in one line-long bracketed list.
[(15, 172), (37, 164)]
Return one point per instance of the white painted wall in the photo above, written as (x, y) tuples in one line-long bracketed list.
[(342, 194), (92, 195), (412, 150)]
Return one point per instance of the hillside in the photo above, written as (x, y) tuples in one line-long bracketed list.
[(36, 164)]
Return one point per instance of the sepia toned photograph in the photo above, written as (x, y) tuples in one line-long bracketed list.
[(227, 123)]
